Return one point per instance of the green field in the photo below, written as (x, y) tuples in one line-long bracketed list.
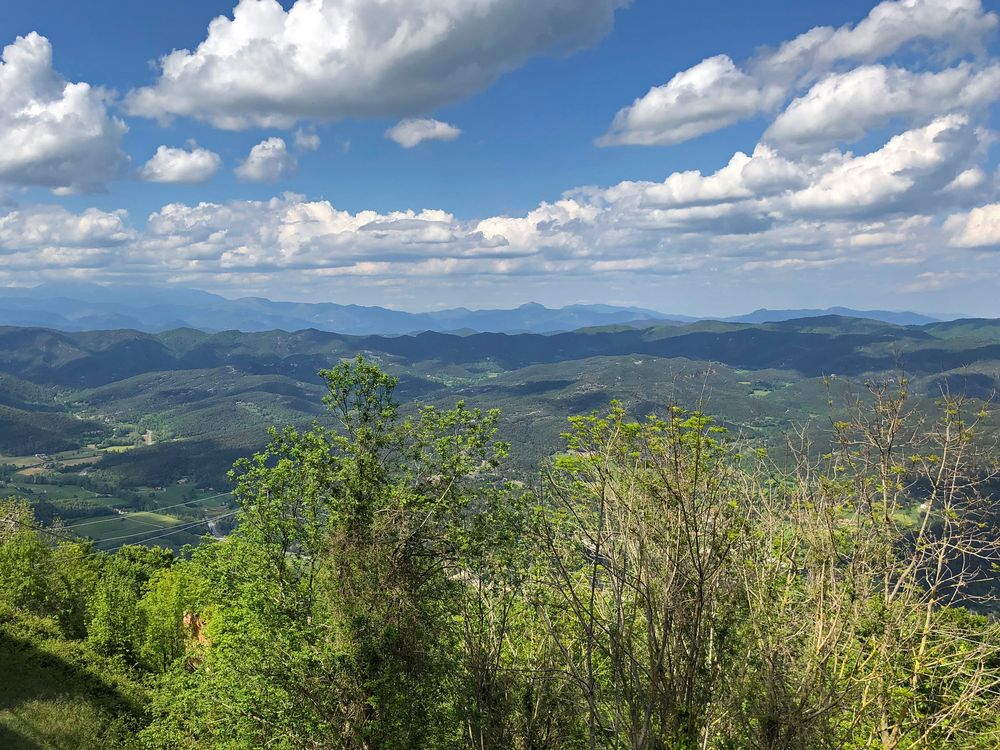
[(137, 528), (151, 527), (57, 494), (21, 461), (109, 528)]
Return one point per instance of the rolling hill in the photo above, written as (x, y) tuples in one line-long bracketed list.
[(207, 398)]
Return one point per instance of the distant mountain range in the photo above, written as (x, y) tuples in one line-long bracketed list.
[(899, 318), (83, 306)]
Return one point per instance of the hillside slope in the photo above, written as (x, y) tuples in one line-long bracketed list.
[(208, 398)]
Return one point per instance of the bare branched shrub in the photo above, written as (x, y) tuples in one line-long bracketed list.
[(703, 596)]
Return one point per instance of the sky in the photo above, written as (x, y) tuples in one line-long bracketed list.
[(700, 158)]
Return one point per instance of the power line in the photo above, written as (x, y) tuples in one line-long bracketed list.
[(154, 510), (54, 535), (42, 529), (181, 527), (167, 533)]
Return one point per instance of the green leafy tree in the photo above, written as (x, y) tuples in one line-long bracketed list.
[(24, 559), (333, 616), (171, 596), (117, 625)]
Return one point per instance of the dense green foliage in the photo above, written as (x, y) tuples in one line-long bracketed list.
[(662, 586)]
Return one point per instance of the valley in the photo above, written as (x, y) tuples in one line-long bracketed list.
[(134, 433)]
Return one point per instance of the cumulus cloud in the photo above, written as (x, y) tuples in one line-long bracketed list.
[(906, 174), (764, 218), (913, 173), (711, 95), (979, 227), (193, 165), (54, 133), (44, 226), (959, 25), (269, 160), (331, 59), (50, 238), (717, 93), (970, 179), (936, 281), (761, 174), (844, 107), (413, 131)]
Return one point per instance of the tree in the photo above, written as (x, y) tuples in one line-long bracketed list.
[(703, 596), (334, 601), (171, 596), (669, 587), (117, 625), (863, 562), (642, 523), (24, 559)]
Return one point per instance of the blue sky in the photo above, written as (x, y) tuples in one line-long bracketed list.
[(897, 208)]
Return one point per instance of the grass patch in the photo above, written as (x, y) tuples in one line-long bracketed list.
[(140, 527), (21, 461), (130, 523), (118, 448), (82, 461), (56, 693), (53, 493)]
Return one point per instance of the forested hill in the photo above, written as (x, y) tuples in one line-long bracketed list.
[(808, 346), (207, 398)]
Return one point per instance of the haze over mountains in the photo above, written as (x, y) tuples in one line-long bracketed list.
[(83, 306)]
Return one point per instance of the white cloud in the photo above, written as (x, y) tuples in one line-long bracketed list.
[(716, 93), (970, 179), (413, 131), (269, 160), (191, 166), (842, 225), (903, 175), (53, 133), (979, 227), (331, 59), (754, 192), (846, 106), (43, 238), (711, 95), (43, 226), (305, 140), (959, 25), (761, 174), (936, 281), (292, 234)]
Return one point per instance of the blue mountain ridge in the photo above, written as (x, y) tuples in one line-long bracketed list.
[(79, 306)]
